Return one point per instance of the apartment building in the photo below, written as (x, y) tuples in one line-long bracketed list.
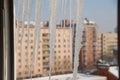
[(33, 60), (88, 53), (105, 44), (109, 41)]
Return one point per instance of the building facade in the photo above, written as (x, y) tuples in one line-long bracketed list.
[(99, 46), (88, 53), (109, 40), (32, 56), (105, 44)]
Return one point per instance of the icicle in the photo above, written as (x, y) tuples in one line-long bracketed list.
[(28, 28), (23, 19), (66, 8), (52, 31), (64, 12), (39, 27), (70, 13), (78, 38), (71, 34), (36, 32), (20, 4), (16, 30)]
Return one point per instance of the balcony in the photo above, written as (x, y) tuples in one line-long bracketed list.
[(46, 54), (45, 59)]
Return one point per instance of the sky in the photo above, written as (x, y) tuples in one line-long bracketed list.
[(103, 12)]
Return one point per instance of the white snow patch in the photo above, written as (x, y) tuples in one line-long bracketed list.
[(69, 77), (114, 70)]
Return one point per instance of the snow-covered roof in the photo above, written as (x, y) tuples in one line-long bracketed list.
[(90, 22), (31, 22), (114, 70), (69, 77)]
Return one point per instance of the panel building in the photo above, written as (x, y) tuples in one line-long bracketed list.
[(106, 42), (32, 56)]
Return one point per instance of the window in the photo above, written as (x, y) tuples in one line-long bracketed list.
[(26, 47), (59, 67), (38, 58), (59, 46), (19, 54), (19, 60), (19, 35), (68, 56), (31, 47), (58, 40), (31, 53), (19, 73), (31, 41), (32, 71), (55, 68), (26, 66), (38, 70), (43, 57), (26, 34), (59, 57), (45, 35), (64, 56)]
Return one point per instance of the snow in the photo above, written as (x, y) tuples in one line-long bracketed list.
[(69, 77), (114, 70), (91, 22), (31, 22)]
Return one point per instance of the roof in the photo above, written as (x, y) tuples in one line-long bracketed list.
[(114, 70), (69, 76)]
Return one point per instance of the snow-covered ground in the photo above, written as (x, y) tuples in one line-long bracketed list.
[(114, 70), (69, 77)]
